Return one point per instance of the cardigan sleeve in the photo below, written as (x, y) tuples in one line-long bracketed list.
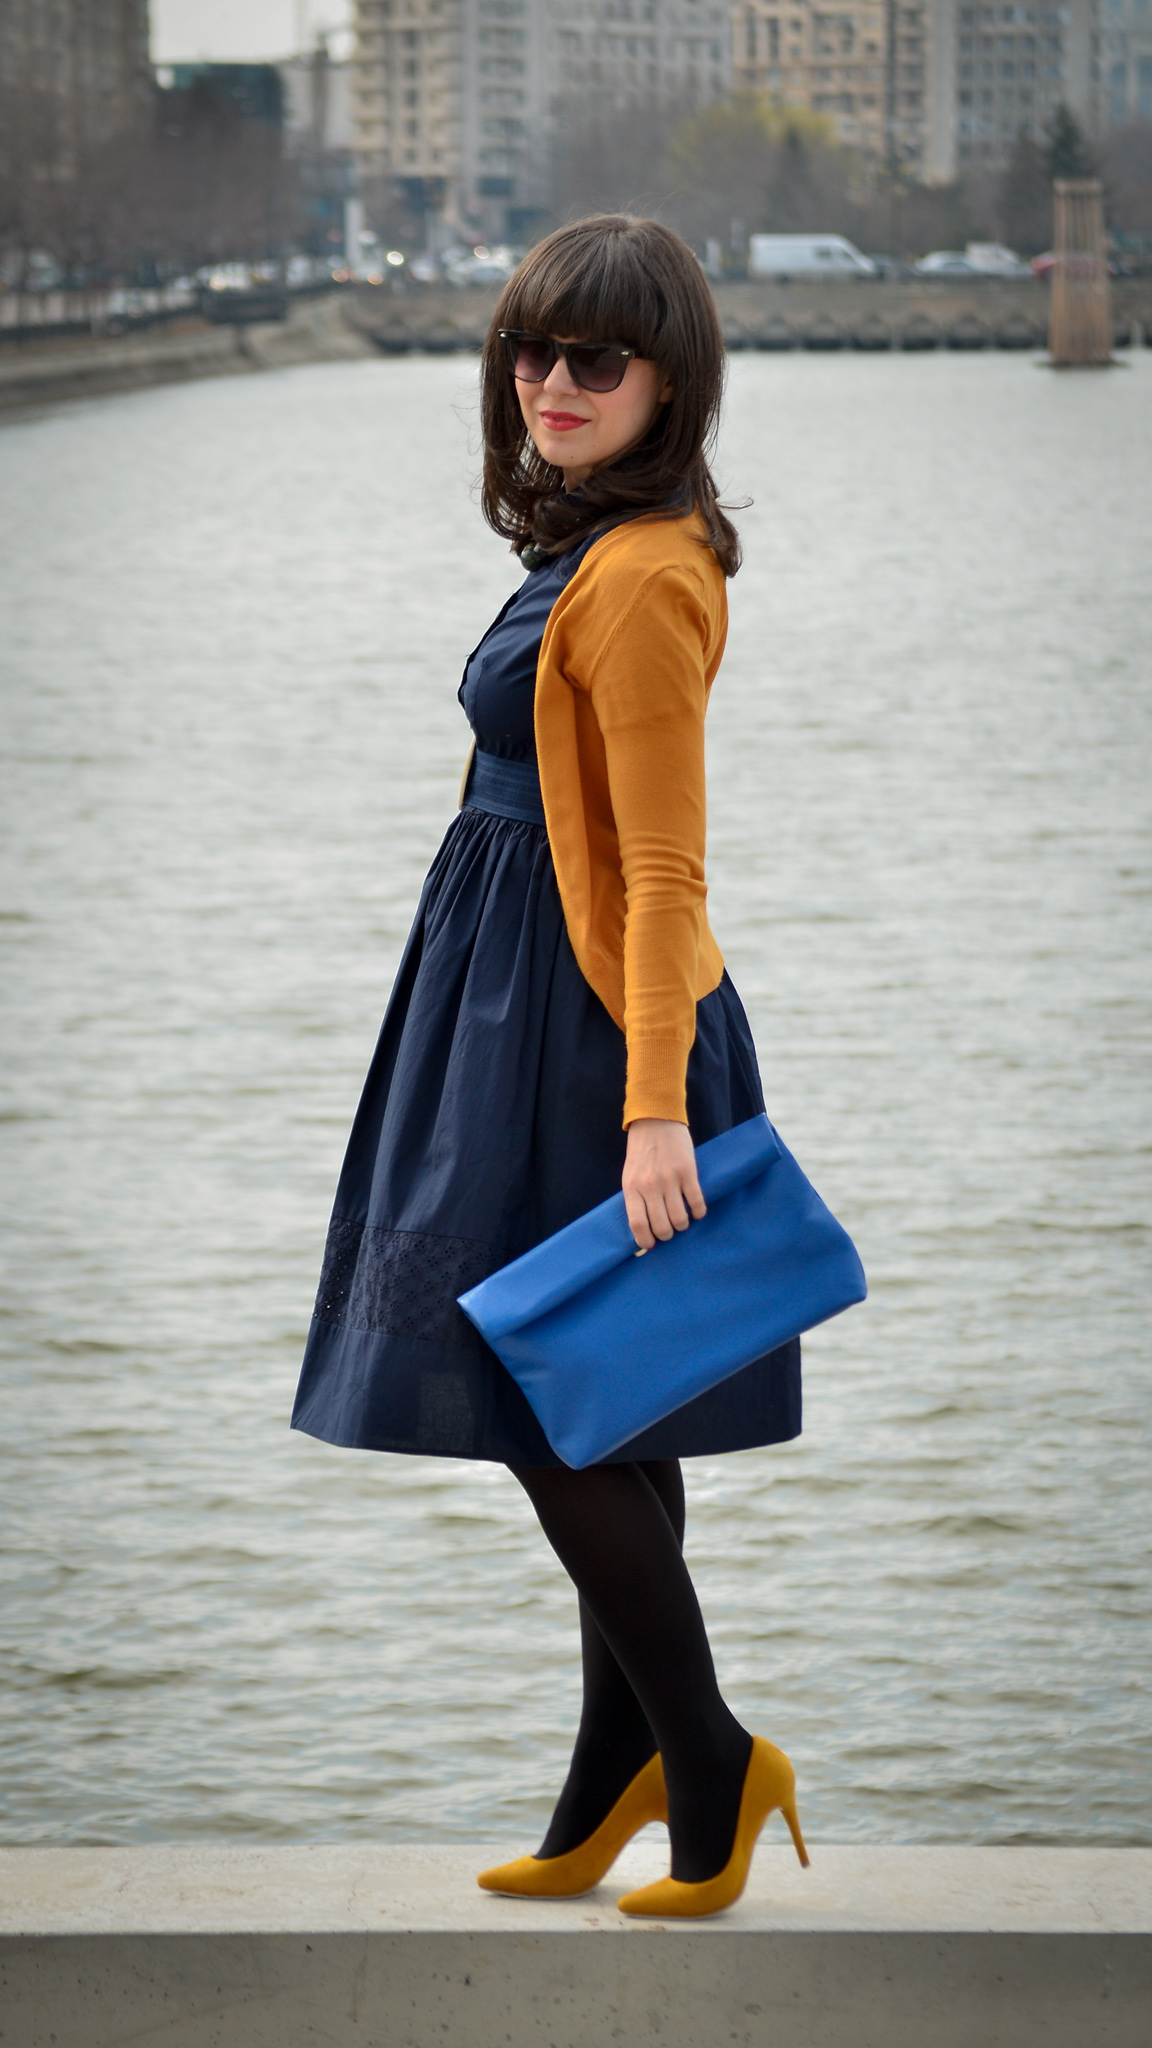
[(649, 694)]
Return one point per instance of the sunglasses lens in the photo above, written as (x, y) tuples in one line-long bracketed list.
[(532, 358), (597, 369)]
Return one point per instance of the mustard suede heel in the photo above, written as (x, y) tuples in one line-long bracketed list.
[(565, 1877), (770, 1781)]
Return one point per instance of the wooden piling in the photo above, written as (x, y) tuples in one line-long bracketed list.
[(1080, 316)]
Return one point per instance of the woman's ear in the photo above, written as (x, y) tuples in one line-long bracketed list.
[(665, 394)]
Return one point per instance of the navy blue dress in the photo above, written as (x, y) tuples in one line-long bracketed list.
[(490, 1118)]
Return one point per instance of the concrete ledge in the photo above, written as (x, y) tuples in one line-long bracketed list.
[(870, 315), (37, 374), (395, 1948)]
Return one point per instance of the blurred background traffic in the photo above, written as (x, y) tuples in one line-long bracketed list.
[(180, 160)]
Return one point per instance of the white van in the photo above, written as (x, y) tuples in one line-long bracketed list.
[(806, 256)]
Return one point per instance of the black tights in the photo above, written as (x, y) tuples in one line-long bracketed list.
[(649, 1680)]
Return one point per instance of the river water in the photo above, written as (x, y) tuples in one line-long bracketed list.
[(234, 618)]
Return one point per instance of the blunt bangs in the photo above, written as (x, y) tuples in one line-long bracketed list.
[(601, 292), (609, 278)]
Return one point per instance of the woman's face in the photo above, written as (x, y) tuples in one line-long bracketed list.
[(579, 431)]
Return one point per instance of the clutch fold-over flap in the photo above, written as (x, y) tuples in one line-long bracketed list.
[(581, 1254), (736, 1157)]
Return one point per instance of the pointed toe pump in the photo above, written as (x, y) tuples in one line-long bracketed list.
[(770, 1781), (566, 1877)]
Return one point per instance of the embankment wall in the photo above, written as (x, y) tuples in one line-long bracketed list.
[(868, 316), (377, 1947)]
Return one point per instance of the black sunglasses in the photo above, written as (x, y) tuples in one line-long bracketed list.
[(593, 365)]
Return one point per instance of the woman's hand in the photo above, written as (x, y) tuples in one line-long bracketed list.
[(661, 1189)]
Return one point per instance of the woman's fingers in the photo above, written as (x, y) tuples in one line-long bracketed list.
[(638, 1221), (660, 1210), (661, 1187)]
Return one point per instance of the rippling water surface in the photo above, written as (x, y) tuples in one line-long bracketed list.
[(234, 618)]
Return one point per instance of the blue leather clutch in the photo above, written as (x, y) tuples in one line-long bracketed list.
[(605, 1341)]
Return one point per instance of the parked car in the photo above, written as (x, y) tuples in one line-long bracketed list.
[(243, 292), (1043, 266), (481, 266), (896, 267), (992, 259), (976, 259), (945, 263), (806, 256)]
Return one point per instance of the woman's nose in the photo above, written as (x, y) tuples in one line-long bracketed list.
[(560, 383)]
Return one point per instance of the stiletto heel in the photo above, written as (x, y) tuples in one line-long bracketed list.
[(769, 1781), (793, 1821), (567, 1876)]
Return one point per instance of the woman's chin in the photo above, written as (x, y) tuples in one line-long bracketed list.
[(563, 451)]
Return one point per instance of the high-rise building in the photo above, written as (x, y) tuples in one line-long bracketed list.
[(1126, 62), (833, 62), (934, 87), (455, 101), (1013, 67), (87, 59), (317, 96), (620, 53), (449, 104)]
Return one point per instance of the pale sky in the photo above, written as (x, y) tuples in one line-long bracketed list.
[(240, 30)]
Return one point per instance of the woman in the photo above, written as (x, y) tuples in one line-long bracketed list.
[(562, 1025)]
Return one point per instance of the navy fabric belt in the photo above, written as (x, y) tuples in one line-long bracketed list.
[(509, 789)]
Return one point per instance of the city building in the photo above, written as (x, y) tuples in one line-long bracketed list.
[(1126, 61), (455, 101), (831, 61), (319, 136), (619, 53), (317, 101), (88, 58), (250, 92), (1013, 67), (936, 87)]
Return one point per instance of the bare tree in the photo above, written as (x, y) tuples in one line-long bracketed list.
[(1128, 172), (613, 160), (761, 166), (190, 182), (1024, 200)]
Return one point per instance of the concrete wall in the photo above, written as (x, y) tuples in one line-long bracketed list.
[(929, 314), (865, 313), (43, 373), (396, 1948)]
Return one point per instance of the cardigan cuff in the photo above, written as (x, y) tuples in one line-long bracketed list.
[(657, 1068)]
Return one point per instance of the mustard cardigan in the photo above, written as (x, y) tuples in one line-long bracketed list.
[(626, 665)]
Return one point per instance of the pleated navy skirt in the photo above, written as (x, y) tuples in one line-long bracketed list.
[(490, 1118)]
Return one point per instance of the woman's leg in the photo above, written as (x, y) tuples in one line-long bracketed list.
[(613, 1535), (614, 1740)]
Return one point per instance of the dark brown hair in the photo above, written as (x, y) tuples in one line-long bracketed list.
[(609, 278)]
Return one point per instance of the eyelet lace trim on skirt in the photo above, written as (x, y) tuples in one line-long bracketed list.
[(404, 1282)]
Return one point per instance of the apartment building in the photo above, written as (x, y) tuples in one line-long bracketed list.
[(88, 57), (1013, 66), (621, 52), (937, 87), (803, 53), (1126, 62), (449, 103), (455, 101)]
